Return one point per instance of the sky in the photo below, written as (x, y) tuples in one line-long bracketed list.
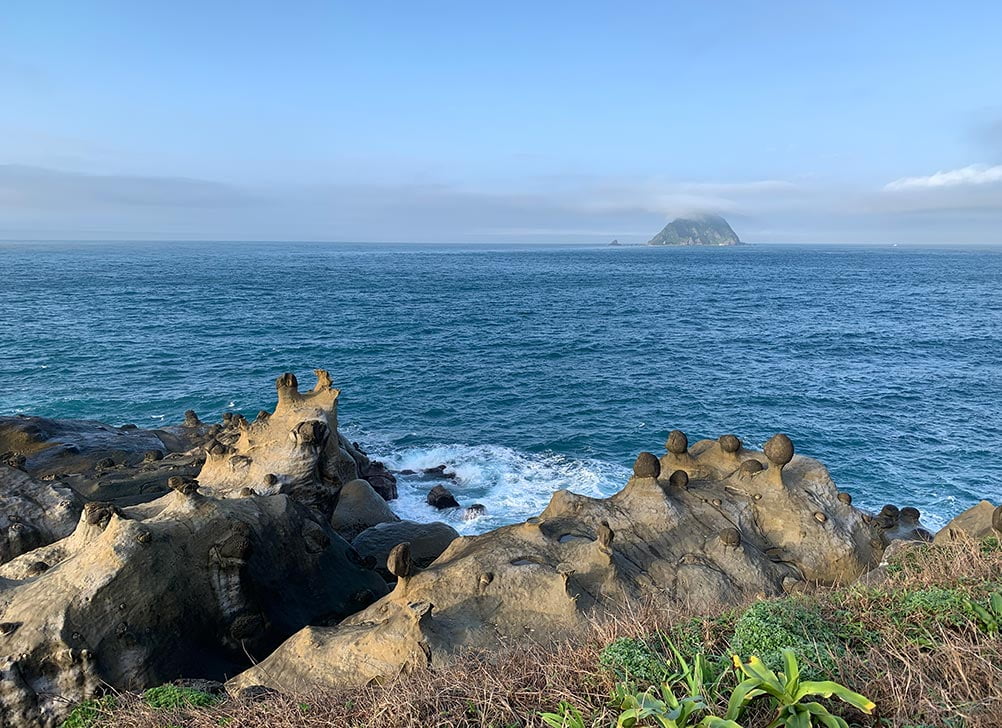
[(500, 122)]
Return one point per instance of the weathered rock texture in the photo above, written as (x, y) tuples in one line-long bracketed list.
[(120, 464), (33, 513), (699, 525), (976, 522), (295, 450), (184, 586)]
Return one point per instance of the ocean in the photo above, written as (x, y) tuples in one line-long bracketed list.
[(526, 369)]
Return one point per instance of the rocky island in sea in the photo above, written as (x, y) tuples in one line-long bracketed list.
[(241, 567), (700, 230)]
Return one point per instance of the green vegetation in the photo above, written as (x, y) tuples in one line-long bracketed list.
[(632, 658), (661, 707), (87, 713), (174, 696)]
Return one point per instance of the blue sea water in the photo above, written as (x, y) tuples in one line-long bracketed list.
[(528, 369)]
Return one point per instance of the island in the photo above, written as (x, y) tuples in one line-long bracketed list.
[(702, 230)]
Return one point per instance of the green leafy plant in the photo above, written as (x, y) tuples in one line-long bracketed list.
[(567, 716), (990, 616), (175, 696), (88, 712), (769, 626), (789, 692), (631, 658), (662, 708)]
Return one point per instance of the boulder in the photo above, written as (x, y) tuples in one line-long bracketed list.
[(359, 507), (427, 541), (694, 526), (441, 498), (33, 513), (976, 522), (187, 586)]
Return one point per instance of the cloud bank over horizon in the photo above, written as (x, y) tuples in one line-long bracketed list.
[(38, 203), (344, 123)]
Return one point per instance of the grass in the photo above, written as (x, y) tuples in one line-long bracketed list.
[(912, 644)]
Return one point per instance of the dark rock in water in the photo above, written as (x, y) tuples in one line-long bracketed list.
[(705, 230), (441, 497), (615, 243), (474, 511), (439, 471)]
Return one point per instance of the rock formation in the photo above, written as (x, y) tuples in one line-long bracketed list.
[(296, 449), (976, 522), (124, 465), (33, 513), (359, 507), (704, 230), (426, 542), (698, 524), (184, 586), (441, 498)]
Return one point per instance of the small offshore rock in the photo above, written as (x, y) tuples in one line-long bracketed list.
[(441, 498)]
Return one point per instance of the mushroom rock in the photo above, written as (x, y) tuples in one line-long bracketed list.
[(779, 450), (582, 557), (107, 607), (729, 443), (427, 541), (296, 450), (647, 465)]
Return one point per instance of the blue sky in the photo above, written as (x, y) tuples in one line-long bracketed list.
[(465, 121)]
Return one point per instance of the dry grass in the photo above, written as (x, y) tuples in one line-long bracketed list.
[(954, 680)]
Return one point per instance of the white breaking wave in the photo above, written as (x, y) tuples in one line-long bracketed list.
[(511, 485)]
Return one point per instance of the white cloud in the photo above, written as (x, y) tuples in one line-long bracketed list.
[(974, 174)]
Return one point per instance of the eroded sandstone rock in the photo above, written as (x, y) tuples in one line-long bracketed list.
[(184, 586), (295, 450), (123, 464), (700, 525), (977, 522), (33, 513)]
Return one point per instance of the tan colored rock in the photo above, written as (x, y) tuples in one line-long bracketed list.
[(295, 450), (976, 522), (731, 534), (359, 507), (33, 513), (184, 586)]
